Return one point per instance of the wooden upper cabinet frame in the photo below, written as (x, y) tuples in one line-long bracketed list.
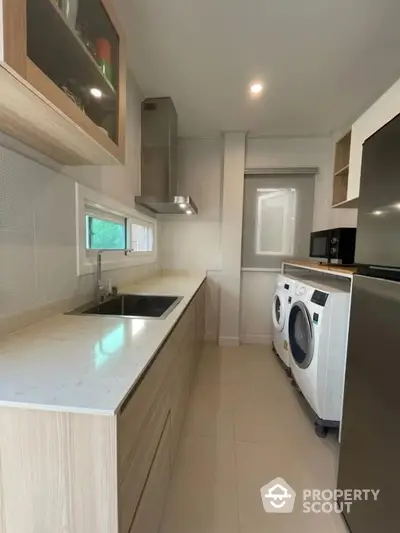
[(14, 30), (122, 65), (13, 23)]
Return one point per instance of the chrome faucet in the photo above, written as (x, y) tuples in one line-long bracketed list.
[(101, 290)]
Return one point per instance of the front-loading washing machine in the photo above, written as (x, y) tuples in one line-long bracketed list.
[(318, 329), (285, 287)]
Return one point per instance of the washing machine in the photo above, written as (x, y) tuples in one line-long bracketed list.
[(285, 287), (317, 330)]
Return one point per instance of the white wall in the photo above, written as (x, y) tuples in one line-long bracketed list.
[(307, 152), (37, 227), (255, 307), (195, 243), (231, 237), (258, 287)]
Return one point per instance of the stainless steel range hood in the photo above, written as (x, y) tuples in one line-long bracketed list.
[(159, 192)]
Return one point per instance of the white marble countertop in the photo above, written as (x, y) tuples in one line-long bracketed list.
[(87, 364)]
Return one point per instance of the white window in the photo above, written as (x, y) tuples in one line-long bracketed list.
[(275, 222), (105, 224), (141, 236), (277, 218)]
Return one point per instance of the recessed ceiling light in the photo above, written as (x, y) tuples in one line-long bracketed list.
[(377, 212), (96, 92), (182, 206), (188, 212), (397, 206), (256, 88)]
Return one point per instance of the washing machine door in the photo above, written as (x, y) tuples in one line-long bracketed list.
[(301, 335), (278, 311)]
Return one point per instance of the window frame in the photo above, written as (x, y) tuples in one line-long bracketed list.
[(97, 204)]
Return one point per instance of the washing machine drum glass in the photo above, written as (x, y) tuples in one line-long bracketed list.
[(301, 337), (278, 312)]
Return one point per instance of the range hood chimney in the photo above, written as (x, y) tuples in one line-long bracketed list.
[(159, 192)]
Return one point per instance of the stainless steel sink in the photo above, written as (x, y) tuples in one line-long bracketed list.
[(131, 305)]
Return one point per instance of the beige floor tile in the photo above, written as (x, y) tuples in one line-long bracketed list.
[(269, 424), (210, 411), (261, 380), (220, 364), (245, 426), (203, 493), (214, 389), (257, 465), (205, 419)]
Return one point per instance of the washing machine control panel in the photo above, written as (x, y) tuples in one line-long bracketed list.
[(319, 298), (301, 290)]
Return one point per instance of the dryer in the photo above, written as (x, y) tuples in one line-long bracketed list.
[(285, 287), (317, 330)]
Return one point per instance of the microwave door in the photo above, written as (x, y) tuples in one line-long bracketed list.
[(320, 245)]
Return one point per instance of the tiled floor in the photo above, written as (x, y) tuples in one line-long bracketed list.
[(245, 426)]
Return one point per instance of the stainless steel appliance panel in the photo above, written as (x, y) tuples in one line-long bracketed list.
[(369, 453), (378, 234)]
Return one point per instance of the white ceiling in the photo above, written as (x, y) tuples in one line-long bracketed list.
[(322, 61)]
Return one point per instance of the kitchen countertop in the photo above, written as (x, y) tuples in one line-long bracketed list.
[(87, 364)]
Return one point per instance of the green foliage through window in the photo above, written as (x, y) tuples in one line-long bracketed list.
[(102, 233)]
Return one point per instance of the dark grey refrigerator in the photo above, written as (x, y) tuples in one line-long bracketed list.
[(370, 445)]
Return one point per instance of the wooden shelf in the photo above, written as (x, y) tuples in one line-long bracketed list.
[(309, 264), (48, 25), (342, 152), (347, 204), (340, 183), (342, 171)]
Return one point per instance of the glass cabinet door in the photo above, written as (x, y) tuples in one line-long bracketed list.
[(74, 43)]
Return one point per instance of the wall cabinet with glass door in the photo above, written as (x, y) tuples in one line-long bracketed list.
[(63, 79)]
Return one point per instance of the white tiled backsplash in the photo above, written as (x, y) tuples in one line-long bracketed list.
[(38, 241)]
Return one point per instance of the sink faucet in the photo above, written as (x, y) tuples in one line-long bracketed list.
[(101, 291)]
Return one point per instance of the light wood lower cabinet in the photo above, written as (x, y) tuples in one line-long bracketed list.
[(150, 509), (62, 472), (133, 475)]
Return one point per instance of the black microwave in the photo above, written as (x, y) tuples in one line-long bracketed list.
[(334, 245)]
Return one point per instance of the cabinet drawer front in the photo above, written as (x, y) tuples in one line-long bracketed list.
[(133, 418), (133, 414), (201, 315), (181, 382), (132, 477), (142, 417), (178, 413), (150, 509)]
